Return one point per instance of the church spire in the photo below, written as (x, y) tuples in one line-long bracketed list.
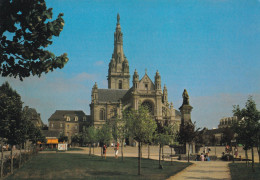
[(118, 43), (118, 72)]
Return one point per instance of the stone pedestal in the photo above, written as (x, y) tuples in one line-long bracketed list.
[(185, 113)]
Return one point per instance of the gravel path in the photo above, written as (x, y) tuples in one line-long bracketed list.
[(211, 170)]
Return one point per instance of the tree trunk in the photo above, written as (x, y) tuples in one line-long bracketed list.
[(148, 151), (141, 151), (101, 151), (122, 149), (188, 152), (20, 159), (12, 160), (89, 150), (2, 159), (25, 146), (171, 155), (253, 159), (232, 154), (215, 150), (258, 155), (162, 153), (139, 158), (258, 150), (93, 150), (160, 148), (246, 157)]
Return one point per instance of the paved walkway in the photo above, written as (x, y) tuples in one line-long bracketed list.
[(210, 170)]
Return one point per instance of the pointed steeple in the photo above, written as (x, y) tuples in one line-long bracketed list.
[(118, 72), (118, 43)]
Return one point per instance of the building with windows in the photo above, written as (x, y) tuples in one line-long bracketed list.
[(227, 122), (68, 122), (106, 104)]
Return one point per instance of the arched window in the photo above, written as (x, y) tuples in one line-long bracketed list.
[(120, 84), (148, 105), (67, 118), (102, 114), (146, 86), (76, 118)]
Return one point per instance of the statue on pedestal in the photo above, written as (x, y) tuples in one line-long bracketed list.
[(185, 97)]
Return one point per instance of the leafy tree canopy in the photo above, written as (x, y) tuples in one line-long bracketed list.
[(89, 135), (140, 124), (63, 138), (188, 133), (248, 125), (10, 113), (104, 134), (165, 134), (26, 30)]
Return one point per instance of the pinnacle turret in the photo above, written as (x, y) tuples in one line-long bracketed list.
[(157, 81)]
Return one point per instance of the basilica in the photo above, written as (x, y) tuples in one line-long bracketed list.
[(122, 94)]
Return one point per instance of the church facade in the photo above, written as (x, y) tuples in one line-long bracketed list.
[(106, 104)]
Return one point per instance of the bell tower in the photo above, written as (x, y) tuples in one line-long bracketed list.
[(118, 72)]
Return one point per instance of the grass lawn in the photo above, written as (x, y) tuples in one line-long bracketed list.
[(241, 171), (81, 166)]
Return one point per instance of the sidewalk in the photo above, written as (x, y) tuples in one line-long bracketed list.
[(211, 170)]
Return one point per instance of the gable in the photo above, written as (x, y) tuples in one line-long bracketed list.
[(146, 83)]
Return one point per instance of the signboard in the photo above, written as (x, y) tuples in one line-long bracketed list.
[(52, 141), (62, 147)]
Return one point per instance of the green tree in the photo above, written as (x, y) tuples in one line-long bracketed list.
[(227, 136), (63, 138), (165, 135), (247, 128), (104, 136), (76, 139), (188, 135), (10, 113), (120, 131), (141, 127), (26, 30), (89, 136)]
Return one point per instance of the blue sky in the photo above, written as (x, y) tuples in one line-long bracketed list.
[(209, 47)]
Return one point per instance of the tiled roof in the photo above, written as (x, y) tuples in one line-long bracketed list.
[(59, 115), (111, 95)]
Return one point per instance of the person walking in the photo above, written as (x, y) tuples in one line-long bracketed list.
[(236, 151), (202, 157), (116, 149), (105, 150)]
